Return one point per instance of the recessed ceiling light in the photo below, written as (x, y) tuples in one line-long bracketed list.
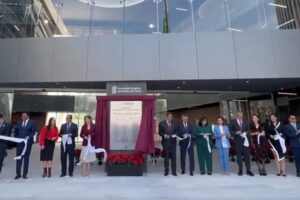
[(247, 82), (151, 26), (183, 82), (178, 87)]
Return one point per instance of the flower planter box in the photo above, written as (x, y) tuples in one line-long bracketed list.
[(124, 170)]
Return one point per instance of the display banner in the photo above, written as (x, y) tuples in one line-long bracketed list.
[(125, 119)]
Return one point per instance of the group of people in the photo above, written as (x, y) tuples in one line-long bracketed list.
[(26, 129), (274, 135)]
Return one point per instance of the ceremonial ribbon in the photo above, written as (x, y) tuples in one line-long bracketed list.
[(185, 137), (281, 140), (258, 138), (91, 149), (64, 141), (16, 140), (206, 137), (246, 142)]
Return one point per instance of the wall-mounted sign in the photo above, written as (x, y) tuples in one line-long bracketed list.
[(126, 88)]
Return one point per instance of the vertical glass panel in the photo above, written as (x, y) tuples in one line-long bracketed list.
[(143, 17), (107, 17), (209, 15), (242, 15), (6, 102), (74, 19), (282, 14), (180, 15)]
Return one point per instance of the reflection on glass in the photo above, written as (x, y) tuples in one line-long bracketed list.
[(209, 15), (142, 17), (107, 19)]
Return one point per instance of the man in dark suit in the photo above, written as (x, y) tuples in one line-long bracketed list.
[(25, 129), (5, 130), (292, 133), (68, 132), (239, 129), (168, 132), (185, 132)]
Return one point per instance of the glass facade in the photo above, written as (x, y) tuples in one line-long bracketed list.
[(68, 18)]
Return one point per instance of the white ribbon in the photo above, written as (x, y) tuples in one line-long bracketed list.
[(16, 140), (281, 141), (206, 137), (246, 142), (92, 150), (184, 137), (258, 138), (64, 141)]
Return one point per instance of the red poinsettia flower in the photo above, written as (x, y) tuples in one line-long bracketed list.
[(126, 159)]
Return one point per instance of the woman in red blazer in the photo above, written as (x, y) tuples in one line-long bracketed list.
[(48, 137), (87, 131)]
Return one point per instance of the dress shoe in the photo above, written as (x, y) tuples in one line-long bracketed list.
[(182, 172), (191, 173), (71, 175), (249, 173), (298, 174), (166, 174), (62, 175), (25, 177), (17, 177), (202, 173), (209, 173), (240, 173), (174, 174)]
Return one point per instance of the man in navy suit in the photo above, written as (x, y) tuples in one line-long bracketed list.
[(68, 132), (25, 129), (292, 133), (168, 132), (185, 132), (5, 130), (239, 129)]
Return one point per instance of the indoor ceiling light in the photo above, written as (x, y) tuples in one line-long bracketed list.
[(182, 9), (112, 3), (288, 93), (285, 23), (277, 5), (151, 26)]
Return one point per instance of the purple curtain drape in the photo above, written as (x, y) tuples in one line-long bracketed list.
[(145, 139)]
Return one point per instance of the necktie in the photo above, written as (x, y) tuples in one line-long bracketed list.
[(23, 125)]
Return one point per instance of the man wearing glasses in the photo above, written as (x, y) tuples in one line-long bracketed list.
[(292, 133)]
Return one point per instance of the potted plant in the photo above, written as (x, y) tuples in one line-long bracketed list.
[(125, 164)]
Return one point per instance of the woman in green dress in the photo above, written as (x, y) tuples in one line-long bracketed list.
[(203, 134)]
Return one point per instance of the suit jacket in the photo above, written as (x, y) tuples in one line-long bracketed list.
[(218, 137), (189, 129), (164, 130), (291, 134), (73, 131), (28, 131), (5, 130), (234, 127)]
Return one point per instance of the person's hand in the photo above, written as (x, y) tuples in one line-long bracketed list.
[(42, 147), (85, 137), (53, 139), (263, 133), (239, 132), (27, 137)]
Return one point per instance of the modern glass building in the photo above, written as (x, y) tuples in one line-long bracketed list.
[(195, 54)]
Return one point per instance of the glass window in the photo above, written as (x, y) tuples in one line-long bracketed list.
[(74, 18), (143, 17), (242, 15), (209, 15), (107, 17), (282, 14), (180, 16)]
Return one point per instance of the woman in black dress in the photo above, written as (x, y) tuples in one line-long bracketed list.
[(48, 137), (259, 140), (274, 133)]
